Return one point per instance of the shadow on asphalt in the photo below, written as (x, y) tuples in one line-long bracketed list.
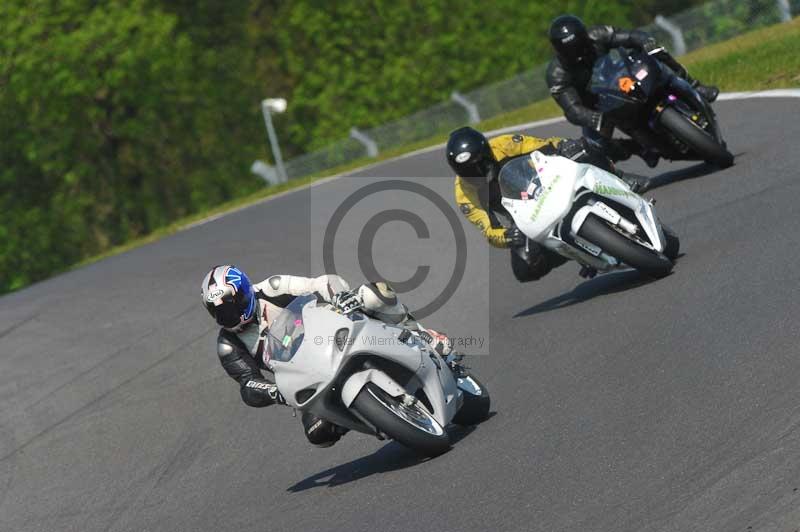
[(667, 178), (609, 283), (390, 457)]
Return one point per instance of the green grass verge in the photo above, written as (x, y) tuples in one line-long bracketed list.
[(762, 59)]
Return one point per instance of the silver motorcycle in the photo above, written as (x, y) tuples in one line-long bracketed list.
[(370, 376)]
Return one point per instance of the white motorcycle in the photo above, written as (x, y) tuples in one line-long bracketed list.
[(369, 376), (586, 214)]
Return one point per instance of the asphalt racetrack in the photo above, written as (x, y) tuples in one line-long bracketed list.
[(619, 405)]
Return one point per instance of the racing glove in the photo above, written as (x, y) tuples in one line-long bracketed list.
[(650, 45), (515, 238), (347, 302)]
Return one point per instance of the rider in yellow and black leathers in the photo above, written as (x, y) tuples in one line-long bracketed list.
[(477, 162), (468, 196)]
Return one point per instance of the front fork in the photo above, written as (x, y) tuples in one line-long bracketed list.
[(680, 91)]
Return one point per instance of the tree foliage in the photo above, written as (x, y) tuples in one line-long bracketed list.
[(383, 59), (117, 117), (111, 126)]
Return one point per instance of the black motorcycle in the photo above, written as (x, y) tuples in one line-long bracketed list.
[(647, 100)]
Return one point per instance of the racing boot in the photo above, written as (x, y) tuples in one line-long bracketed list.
[(320, 432), (621, 149), (708, 92), (650, 157)]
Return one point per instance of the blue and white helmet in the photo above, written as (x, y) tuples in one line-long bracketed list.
[(228, 296)]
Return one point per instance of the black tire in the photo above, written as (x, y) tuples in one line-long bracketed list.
[(702, 143), (375, 405), (475, 408), (647, 261), (673, 246)]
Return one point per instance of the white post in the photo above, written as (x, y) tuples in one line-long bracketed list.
[(273, 140), (678, 44), (472, 109), (785, 9), (369, 144), (265, 172)]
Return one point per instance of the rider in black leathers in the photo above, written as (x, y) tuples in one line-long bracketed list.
[(570, 72)]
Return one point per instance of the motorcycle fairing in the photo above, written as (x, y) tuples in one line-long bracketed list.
[(318, 365), (561, 179), (609, 186), (537, 215)]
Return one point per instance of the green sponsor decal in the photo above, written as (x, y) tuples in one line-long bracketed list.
[(613, 191), (543, 198)]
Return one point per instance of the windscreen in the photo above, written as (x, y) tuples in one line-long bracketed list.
[(518, 178), (611, 81), (607, 69), (287, 331)]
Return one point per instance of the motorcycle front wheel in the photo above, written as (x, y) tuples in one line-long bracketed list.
[(647, 261), (409, 424), (700, 141)]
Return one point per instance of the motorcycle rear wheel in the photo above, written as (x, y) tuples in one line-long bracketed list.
[(411, 425), (647, 261), (698, 140)]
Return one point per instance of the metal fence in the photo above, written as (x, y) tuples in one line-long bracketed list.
[(720, 20), (335, 154), (683, 32)]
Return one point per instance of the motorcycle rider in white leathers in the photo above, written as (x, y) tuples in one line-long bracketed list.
[(245, 312)]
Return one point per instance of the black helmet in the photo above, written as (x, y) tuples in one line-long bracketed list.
[(570, 39), (470, 156)]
